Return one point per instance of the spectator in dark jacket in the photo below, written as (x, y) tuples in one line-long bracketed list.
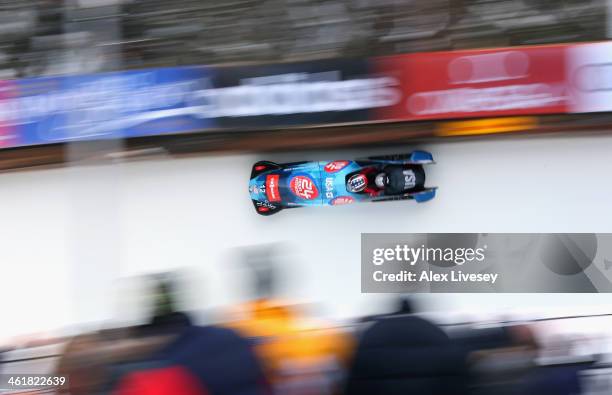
[(402, 354)]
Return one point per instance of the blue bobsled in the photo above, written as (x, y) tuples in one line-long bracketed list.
[(274, 187)]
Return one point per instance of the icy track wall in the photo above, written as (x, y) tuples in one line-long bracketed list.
[(74, 231)]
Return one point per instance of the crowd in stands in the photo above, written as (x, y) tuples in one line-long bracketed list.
[(50, 37)]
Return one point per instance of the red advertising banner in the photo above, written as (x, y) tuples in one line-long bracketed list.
[(480, 83)]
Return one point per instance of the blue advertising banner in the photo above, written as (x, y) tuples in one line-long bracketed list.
[(101, 106), (188, 99)]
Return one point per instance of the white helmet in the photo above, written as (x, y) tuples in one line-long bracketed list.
[(380, 180)]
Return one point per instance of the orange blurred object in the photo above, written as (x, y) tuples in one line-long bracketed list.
[(299, 355)]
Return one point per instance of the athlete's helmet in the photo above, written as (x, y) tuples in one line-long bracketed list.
[(381, 180)]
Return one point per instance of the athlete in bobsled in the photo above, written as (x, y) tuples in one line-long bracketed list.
[(388, 181), (274, 187)]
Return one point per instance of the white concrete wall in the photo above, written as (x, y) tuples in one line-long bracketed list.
[(192, 213)]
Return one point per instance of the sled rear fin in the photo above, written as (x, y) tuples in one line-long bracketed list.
[(419, 196), (415, 157)]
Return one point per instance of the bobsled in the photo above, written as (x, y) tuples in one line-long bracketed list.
[(274, 187)]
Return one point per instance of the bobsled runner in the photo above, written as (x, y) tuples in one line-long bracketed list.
[(274, 187)]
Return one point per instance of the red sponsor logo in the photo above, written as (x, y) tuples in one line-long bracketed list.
[(272, 188), (262, 209), (335, 166), (340, 200), (497, 82), (304, 187)]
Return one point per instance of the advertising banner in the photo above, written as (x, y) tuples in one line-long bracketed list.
[(486, 262), (98, 106), (508, 85), (482, 83), (589, 76), (298, 94)]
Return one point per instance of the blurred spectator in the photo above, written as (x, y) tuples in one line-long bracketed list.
[(167, 355), (560, 378), (405, 354), (301, 357), (504, 369), (512, 368)]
